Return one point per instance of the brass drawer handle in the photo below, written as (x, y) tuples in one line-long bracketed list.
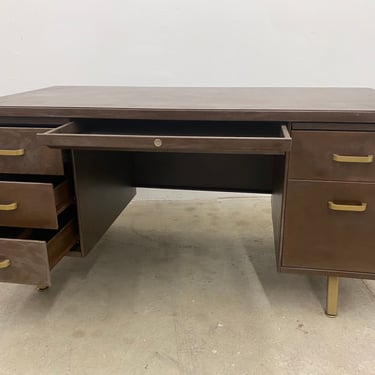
[(18, 152), (4, 263), (353, 159), (347, 207), (8, 207)]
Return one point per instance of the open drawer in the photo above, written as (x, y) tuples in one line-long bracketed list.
[(33, 203), (21, 153), (27, 256), (171, 136)]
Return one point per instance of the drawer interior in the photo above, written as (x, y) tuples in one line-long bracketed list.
[(38, 234), (177, 128), (31, 122), (54, 180)]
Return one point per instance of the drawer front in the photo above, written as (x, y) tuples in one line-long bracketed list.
[(28, 261), (33, 205), (20, 152), (330, 226), (333, 155)]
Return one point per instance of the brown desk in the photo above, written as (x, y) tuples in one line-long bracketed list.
[(72, 157)]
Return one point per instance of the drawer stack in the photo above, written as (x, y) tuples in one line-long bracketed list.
[(330, 202), (37, 213)]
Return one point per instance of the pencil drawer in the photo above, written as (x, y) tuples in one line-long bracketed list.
[(330, 226), (171, 136), (28, 256), (21, 153), (34, 204), (333, 155)]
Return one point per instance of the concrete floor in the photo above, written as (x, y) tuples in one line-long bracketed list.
[(186, 287)]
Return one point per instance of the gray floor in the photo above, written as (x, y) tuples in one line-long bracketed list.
[(186, 287)]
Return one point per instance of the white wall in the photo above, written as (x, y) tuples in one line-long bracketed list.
[(186, 43)]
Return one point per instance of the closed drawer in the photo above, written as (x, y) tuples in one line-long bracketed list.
[(27, 257), (34, 204), (330, 226), (171, 136), (333, 155), (20, 152)]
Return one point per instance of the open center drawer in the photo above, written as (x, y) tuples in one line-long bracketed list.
[(172, 136), (27, 256)]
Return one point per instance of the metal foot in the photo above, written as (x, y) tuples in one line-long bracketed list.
[(41, 287), (332, 296)]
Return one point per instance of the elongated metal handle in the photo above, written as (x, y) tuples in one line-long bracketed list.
[(353, 159), (361, 207), (18, 152), (4, 263), (8, 207)]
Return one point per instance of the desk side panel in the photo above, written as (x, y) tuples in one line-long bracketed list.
[(103, 190), (278, 203)]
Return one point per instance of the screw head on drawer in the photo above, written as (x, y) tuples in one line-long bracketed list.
[(157, 142)]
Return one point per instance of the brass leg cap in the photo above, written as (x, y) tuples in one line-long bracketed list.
[(331, 315)]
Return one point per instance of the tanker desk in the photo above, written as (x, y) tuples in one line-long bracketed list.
[(72, 157)]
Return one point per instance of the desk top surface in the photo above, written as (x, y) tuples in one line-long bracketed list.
[(240, 103)]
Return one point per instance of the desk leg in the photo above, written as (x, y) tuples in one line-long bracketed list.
[(332, 296)]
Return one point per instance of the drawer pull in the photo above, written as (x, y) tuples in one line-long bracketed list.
[(158, 142), (353, 159), (4, 263), (347, 207), (8, 207), (18, 152)]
